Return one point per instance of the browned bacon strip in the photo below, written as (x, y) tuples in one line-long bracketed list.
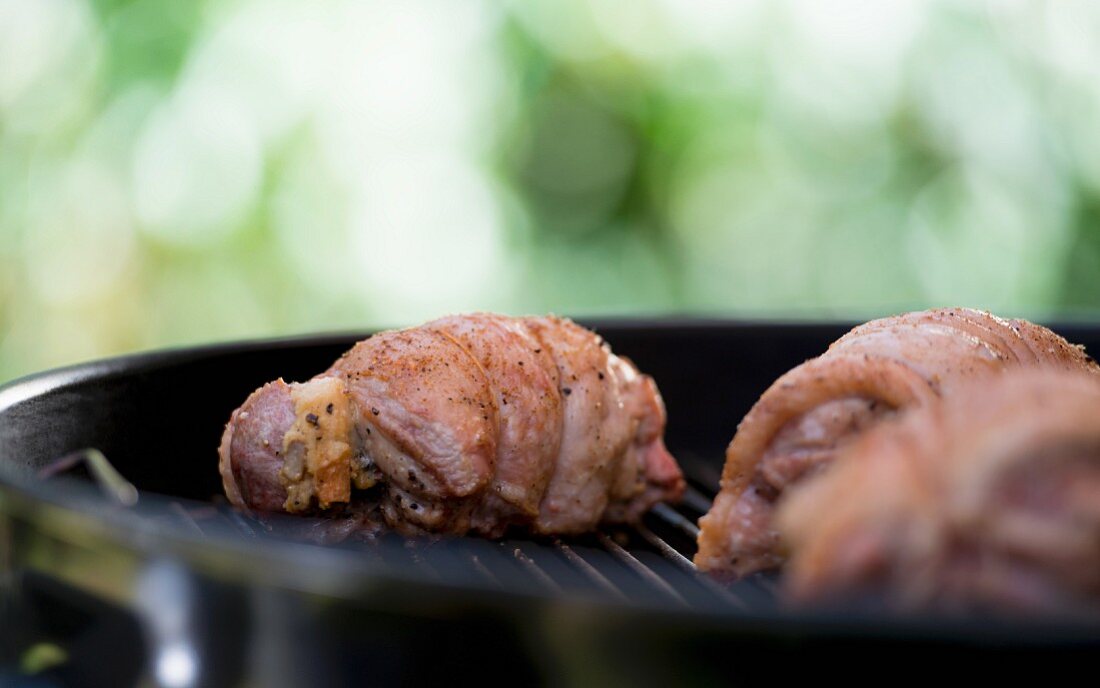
[(868, 375), (989, 501), (469, 423)]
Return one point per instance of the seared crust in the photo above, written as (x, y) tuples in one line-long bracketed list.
[(448, 425), (523, 376), (736, 534), (985, 501), (469, 423), (867, 376)]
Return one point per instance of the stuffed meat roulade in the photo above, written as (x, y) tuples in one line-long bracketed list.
[(866, 377), (988, 502), (469, 423)]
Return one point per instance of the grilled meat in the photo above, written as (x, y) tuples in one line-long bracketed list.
[(468, 423), (988, 501), (867, 376)]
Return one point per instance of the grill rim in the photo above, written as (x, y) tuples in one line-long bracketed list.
[(222, 559), (295, 565)]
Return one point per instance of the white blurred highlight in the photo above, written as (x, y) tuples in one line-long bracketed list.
[(196, 168), (49, 53), (337, 164), (426, 234), (973, 240), (83, 238)]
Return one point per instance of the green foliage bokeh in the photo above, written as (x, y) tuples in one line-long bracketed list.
[(174, 172)]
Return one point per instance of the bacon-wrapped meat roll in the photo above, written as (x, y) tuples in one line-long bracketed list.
[(989, 501), (866, 376), (468, 423)]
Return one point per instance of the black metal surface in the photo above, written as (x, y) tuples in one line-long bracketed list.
[(618, 604)]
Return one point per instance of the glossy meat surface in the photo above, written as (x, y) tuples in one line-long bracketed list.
[(873, 373), (474, 423), (988, 501)]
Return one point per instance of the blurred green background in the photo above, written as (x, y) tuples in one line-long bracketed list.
[(178, 171)]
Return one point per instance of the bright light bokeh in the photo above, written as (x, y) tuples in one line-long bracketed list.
[(180, 172)]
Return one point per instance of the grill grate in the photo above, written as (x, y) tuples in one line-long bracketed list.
[(647, 562)]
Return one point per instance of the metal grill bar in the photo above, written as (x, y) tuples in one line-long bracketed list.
[(585, 570), (481, 568), (242, 525), (667, 551), (676, 520), (639, 568), (696, 500), (672, 554), (766, 583), (187, 518), (419, 561), (535, 570), (588, 569)]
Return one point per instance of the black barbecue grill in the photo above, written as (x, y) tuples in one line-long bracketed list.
[(179, 589)]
